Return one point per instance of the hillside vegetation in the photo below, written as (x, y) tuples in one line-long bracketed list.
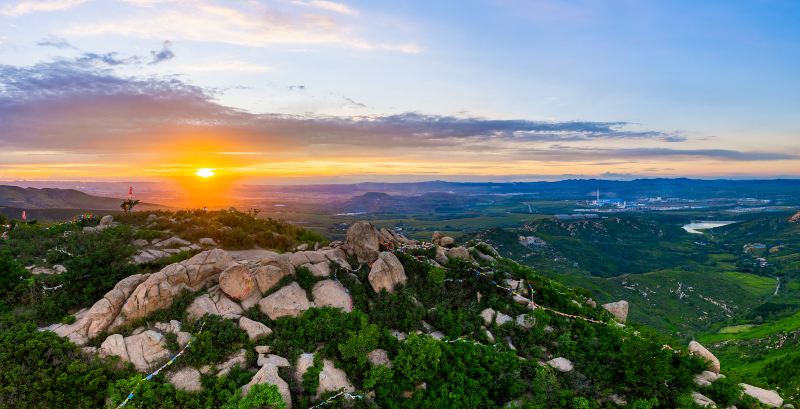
[(404, 325)]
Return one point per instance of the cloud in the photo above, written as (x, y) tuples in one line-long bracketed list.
[(353, 103), (82, 107), (55, 42), (328, 6), (33, 6), (111, 59), (163, 55), (248, 24)]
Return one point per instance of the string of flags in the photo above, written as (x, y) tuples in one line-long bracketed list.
[(155, 373), (489, 274), (347, 395)]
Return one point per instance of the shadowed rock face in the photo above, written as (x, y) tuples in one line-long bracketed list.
[(618, 309), (363, 240), (329, 293), (138, 295), (695, 348), (289, 301), (386, 273)]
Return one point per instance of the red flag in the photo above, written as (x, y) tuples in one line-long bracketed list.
[(24, 216), (130, 191)]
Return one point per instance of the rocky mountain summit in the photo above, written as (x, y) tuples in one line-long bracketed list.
[(379, 320)]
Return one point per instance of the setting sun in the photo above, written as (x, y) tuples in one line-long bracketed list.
[(205, 172)]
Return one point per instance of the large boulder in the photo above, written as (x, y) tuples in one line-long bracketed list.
[(618, 309), (767, 397), (146, 349), (695, 348), (102, 313), (271, 269), (386, 272), (236, 282), (105, 222), (114, 345), (332, 379), (379, 357), (561, 364), (459, 253), (329, 293), (201, 306), (174, 241), (362, 239), (702, 400), (304, 362), (254, 329), (289, 301), (269, 374), (186, 379), (160, 289)]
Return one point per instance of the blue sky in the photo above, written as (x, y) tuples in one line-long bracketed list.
[(705, 88)]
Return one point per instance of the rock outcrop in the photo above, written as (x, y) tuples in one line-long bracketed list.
[(289, 301), (695, 348), (143, 350), (271, 270), (329, 293), (386, 272), (702, 400), (379, 357), (561, 364), (618, 309), (363, 241), (186, 379), (160, 289), (236, 282), (254, 329), (100, 316), (269, 374), (767, 397), (332, 379)]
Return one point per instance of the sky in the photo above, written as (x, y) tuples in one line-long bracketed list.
[(310, 91)]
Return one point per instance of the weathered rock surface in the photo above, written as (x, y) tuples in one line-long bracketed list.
[(207, 241), (698, 350), (702, 400), (561, 364), (386, 272), (767, 397), (269, 374), (502, 318), (142, 350), (159, 289), (362, 239), (618, 309), (254, 329), (379, 357), (173, 242), (488, 316), (304, 361), (329, 293), (459, 252), (100, 316), (272, 359), (236, 282), (706, 378), (288, 301), (114, 345), (239, 358), (271, 270), (186, 379), (332, 379)]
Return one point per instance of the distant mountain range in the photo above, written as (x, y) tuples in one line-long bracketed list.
[(49, 203)]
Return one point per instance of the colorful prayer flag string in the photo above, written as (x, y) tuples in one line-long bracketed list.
[(157, 371)]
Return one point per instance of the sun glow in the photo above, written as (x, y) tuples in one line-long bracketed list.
[(205, 172)]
